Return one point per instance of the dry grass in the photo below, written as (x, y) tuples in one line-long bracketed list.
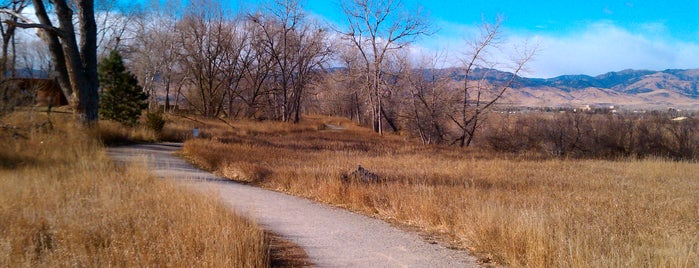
[(64, 203), (113, 133), (507, 210)]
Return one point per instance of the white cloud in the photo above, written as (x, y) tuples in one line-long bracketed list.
[(27, 34), (604, 47), (595, 49)]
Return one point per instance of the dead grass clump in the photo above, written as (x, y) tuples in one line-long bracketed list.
[(114, 133), (245, 172), (64, 203), (173, 129), (508, 210)]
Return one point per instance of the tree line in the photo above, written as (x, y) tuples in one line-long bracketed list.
[(274, 61), (596, 136)]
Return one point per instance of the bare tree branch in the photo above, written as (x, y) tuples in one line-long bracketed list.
[(375, 29), (35, 26), (16, 15), (471, 111)]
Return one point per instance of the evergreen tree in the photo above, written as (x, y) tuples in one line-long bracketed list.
[(122, 99)]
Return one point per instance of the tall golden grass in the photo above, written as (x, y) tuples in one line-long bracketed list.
[(65, 203), (505, 209)]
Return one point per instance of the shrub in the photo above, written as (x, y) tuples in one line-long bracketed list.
[(155, 122)]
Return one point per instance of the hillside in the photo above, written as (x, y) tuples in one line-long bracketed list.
[(629, 89)]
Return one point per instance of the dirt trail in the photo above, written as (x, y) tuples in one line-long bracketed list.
[(331, 237)]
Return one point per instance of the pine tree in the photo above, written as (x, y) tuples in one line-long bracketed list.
[(122, 99)]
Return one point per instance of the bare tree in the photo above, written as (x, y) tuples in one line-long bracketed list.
[(154, 51), (75, 63), (377, 28), (7, 30), (297, 49), (114, 19), (217, 60), (478, 95), (36, 59), (206, 37), (341, 93), (429, 92), (256, 71)]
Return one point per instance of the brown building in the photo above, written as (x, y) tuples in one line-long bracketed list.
[(33, 91)]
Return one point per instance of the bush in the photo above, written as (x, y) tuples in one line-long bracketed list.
[(155, 122)]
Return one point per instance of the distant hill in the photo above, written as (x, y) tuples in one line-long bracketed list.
[(630, 89), (29, 73)]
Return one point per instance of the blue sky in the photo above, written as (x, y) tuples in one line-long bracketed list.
[(574, 37)]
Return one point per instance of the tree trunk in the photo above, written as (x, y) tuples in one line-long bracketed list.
[(472, 132), (297, 106), (6, 37), (55, 52), (167, 94), (76, 66), (88, 54), (379, 107), (390, 121), (5, 54), (13, 66)]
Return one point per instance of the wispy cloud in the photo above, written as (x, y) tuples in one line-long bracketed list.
[(597, 48), (603, 47)]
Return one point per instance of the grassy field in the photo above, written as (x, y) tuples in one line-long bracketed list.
[(506, 209), (64, 203)]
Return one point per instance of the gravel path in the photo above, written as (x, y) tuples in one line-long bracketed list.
[(331, 237)]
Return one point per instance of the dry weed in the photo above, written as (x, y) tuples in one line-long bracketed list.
[(511, 210), (64, 203)]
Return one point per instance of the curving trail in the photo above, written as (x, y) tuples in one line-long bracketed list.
[(330, 236)]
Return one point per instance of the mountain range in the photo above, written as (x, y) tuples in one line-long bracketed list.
[(627, 89)]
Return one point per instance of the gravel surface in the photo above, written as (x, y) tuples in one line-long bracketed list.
[(330, 236)]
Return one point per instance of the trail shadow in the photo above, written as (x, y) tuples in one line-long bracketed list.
[(284, 253)]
